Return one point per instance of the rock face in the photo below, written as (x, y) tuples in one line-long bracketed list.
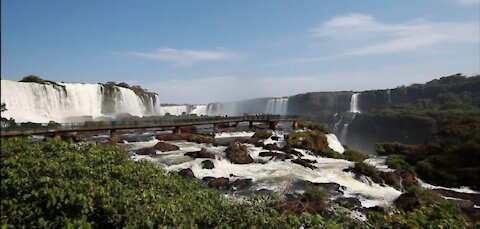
[(165, 147), (188, 173), (146, 151), (240, 184), (238, 153), (200, 154), (207, 164)]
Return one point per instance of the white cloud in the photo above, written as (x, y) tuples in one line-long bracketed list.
[(381, 37), (184, 57), (465, 2)]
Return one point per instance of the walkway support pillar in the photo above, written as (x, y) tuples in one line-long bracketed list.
[(237, 125), (273, 125), (57, 136), (177, 130), (295, 124), (215, 128), (250, 125)]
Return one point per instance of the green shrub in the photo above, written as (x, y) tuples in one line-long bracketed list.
[(397, 162), (321, 127), (316, 194), (32, 79), (353, 155)]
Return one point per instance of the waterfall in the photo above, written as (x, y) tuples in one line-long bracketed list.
[(389, 96), (199, 110), (277, 106), (174, 110), (354, 103), (34, 102)]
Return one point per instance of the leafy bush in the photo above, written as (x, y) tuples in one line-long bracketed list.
[(311, 140), (316, 193), (321, 127), (353, 155), (32, 79), (397, 162)]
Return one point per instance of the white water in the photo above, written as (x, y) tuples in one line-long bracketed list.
[(277, 106), (354, 103), (275, 175), (199, 110), (42, 103), (389, 96), (174, 110), (334, 144)]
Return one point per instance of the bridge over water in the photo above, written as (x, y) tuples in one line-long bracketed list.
[(56, 129)]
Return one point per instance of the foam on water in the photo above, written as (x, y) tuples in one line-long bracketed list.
[(275, 175), (334, 144)]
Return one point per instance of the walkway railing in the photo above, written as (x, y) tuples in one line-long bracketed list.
[(141, 122)]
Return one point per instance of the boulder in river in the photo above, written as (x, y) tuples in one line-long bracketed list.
[(165, 147), (238, 153)]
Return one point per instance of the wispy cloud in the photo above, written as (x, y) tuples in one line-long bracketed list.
[(381, 37), (465, 2), (184, 57)]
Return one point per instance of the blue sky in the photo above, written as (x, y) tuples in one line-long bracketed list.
[(206, 51)]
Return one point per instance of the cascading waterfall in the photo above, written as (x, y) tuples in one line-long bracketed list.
[(277, 106), (35, 102), (354, 109), (389, 96), (354, 103)]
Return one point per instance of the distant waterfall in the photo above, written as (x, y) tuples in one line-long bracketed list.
[(354, 103), (34, 102), (277, 106), (389, 96)]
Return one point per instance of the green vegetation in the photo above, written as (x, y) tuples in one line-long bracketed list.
[(451, 159), (310, 140), (354, 155), (84, 185), (32, 79), (316, 193), (200, 138), (321, 127)]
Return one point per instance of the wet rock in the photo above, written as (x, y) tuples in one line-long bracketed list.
[(240, 184), (200, 154), (207, 179), (173, 137), (165, 147), (362, 169), (262, 134), (333, 189), (286, 149), (207, 164), (188, 173), (473, 197), (304, 163), (271, 146), (238, 153), (275, 138), (407, 202), (114, 139), (348, 202), (267, 154), (146, 151), (221, 182)]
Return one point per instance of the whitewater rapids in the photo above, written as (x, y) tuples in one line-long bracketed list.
[(273, 175)]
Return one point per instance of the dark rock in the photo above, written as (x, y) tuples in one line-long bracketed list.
[(146, 151), (304, 163), (298, 207), (207, 164), (286, 149), (240, 184), (348, 202), (407, 202), (114, 139), (221, 182), (275, 138), (238, 153), (473, 197), (200, 154), (207, 179), (165, 147), (173, 137), (186, 173), (267, 154), (262, 134), (271, 146)]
